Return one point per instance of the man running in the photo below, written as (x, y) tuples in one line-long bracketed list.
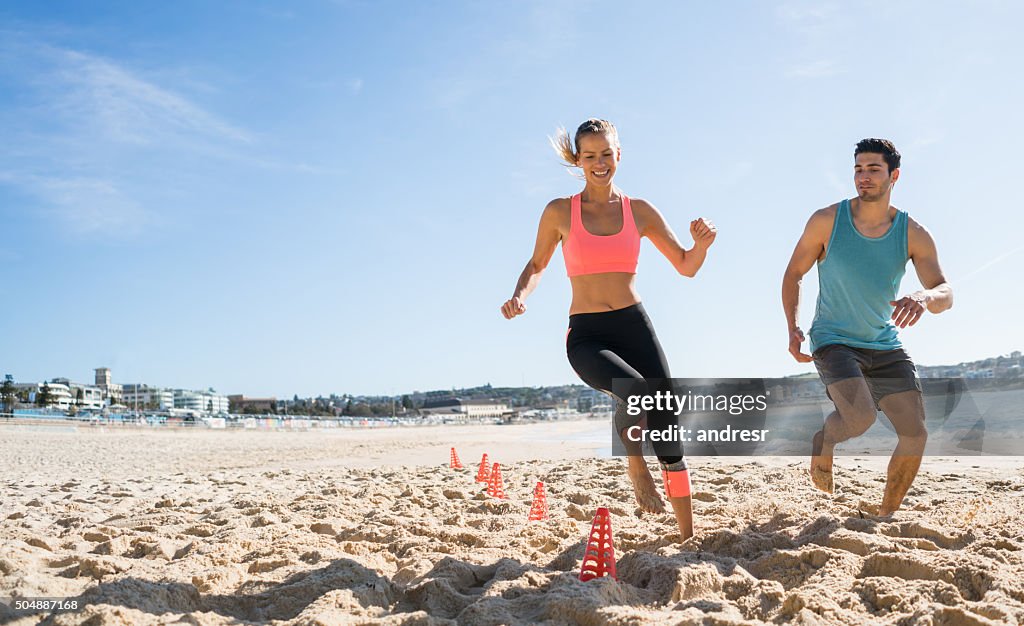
[(861, 247)]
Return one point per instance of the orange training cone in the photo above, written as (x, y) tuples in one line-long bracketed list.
[(496, 488), (483, 475), (599, 559), (455, 463), (539, 510)]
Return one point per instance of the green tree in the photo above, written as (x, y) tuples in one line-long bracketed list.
[(79, 397), (407, 403), (361, 410), (44, 398), (8, 393)]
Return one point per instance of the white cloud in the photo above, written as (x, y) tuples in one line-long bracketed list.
[(93, 137), (813, 28), (129, 108), (984, 266), (87, 206)]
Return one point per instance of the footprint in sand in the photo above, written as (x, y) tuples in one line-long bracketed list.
[(916, 530)]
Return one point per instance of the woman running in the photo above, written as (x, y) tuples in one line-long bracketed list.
[(610, 336)]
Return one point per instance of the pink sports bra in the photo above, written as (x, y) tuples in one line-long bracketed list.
[(586, 253)]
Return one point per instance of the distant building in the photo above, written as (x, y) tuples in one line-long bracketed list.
[(102, 376), (26, 391), (202, 401), (111, 391), (60, 393), (592, 400), (144, 396), (239, 403), (800, 388), (465, 408), (484, 408), (87, 397)]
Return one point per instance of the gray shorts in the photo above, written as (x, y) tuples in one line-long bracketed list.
[(885, 371)]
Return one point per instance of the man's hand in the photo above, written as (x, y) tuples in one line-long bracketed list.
[(513, 307), (908, 309), (703, 232), (796, 337)]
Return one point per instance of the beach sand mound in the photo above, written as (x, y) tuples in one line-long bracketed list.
[(425, 545)]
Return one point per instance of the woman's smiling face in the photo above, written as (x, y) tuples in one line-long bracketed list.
[(599, 158)]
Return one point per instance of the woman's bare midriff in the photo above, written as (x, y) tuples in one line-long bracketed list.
[(596, 293)]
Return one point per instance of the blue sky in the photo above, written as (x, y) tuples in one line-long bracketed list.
[(317, 197)]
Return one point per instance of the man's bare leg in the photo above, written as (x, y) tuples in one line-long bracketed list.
[(906, 412), (821, 461), (855, 413)]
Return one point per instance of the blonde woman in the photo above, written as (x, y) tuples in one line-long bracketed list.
[(610, 335)]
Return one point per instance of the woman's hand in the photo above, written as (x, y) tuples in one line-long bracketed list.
[(703, 232), (513, 307)]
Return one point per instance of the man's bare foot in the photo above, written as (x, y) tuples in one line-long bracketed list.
[(821, 466), (644, 487), (873, 512), (886, 513)]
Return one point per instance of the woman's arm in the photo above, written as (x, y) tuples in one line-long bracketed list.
[(653, 226), (548, 236)]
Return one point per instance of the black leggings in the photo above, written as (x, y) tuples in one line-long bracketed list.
[(621, 344)]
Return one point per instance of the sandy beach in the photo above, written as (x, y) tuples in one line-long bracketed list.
[(372, 527)]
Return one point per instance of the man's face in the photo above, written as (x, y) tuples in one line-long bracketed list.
[(872, 177)]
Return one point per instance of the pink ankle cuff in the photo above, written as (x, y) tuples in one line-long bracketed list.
[(677, 484)]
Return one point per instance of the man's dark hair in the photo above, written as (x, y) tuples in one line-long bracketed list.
[(883, 147)]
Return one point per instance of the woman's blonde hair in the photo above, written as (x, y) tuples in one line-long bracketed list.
[(569, 149)]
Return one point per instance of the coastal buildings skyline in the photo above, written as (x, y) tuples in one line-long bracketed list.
[(67, 394), (103, 393)]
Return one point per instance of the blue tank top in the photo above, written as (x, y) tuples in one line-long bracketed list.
[(856, 281)]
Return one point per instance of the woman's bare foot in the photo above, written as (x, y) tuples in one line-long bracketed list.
[(821, 465), (644, 487)]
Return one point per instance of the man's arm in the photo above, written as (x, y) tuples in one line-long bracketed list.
[(937, 295), (808, 250)]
